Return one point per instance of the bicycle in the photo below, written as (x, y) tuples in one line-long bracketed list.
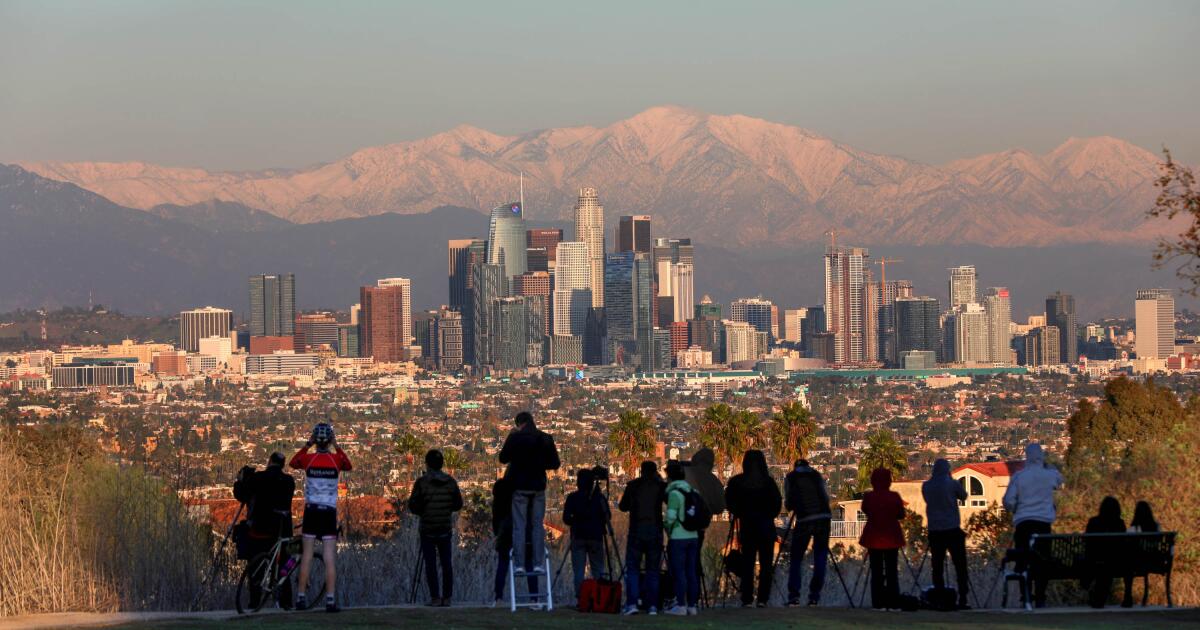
[(267, 573)]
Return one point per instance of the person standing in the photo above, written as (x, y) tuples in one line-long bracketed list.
[(754, 501), (1030, 499), (699, 475), (943, 496), (529, 453), (882, 537), (807, 498), (683, 545), (268, 496), (502, 529), (586, 513), (435, 498), (321, 470), (643, 499)]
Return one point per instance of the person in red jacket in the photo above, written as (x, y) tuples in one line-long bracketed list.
[(883, 538), (321, 469)]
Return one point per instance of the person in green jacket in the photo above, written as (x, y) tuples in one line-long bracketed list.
[(683, 545)]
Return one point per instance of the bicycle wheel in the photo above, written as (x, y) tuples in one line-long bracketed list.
[(255, 587), (316, 581)]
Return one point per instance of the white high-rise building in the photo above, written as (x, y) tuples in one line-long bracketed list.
[(199, 323), (405, 305), (589, 229), (963, 286), (793, 322), (682, 291), (967, 329), (845, 275), (572, 288), (1154, 326), (998, 308), (740, 341)]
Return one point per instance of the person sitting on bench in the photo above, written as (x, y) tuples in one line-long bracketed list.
[(1107, 521)]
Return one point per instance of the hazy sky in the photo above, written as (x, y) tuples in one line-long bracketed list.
[(234, 85)]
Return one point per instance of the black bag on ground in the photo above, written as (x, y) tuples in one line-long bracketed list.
[(943, 599), (908, 603)]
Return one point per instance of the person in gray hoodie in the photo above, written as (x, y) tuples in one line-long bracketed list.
[(1030, 499), (943, 495)]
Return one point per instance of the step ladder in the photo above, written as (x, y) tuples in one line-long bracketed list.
[(535, 600)]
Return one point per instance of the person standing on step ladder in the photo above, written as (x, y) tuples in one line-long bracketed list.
[(529, 453)]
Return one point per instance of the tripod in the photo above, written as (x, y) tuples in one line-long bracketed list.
[(785, 549), (838, 570), (725, 584), (206, 583)]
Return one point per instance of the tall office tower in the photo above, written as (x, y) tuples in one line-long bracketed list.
[(754, 311), (667, 252), (199, 323), (272, 305), (793, 323), (707, 308), (501, 211), (507, 245), (537, 347), (542, 242), (814, 324), (1154, 324), (845, 269), (425, 334), (633, 234), (1060, 313), (660, 348), (967, 334), (627, 307), (348, 340), (998, 307), (963, 285), (683, 291), (595, 336), (464, 253), (315, 330), (509, 335), (889, 291), (1040, 346), (917, 325), (533, 283), (589, 230), (385, 321), (537, 259), (872, 294), (680, 338), (449, 340), (487, 285), (740, 341), (572, 289)]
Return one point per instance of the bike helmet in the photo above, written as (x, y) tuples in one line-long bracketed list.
[(322, 434)]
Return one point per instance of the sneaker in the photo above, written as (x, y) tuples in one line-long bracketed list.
[(630, 610), (332, 607), (679, 611), (445, 603), (761, 605), (812, 602), (300, 602), (793, 602), (748, 605), (434, 602), (652, 611), (498, 602), (693, 610)]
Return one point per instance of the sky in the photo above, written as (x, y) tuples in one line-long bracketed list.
[(245, 85)]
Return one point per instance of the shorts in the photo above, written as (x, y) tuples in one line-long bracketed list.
[(319, 523)]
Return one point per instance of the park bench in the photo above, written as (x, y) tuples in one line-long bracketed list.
[(1086, 556)]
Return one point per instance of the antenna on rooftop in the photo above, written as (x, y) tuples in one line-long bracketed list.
[(522, 193)]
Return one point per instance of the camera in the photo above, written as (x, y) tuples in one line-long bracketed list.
[(600, 473), (246, 472)]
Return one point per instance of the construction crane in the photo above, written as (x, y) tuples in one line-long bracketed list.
[(883, 263)]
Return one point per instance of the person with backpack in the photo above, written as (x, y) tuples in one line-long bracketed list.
[(807, 498), (643, 499), (435, 498), (682, 522), (882, 537), (528, 453), (267, 494), (502, 529), (754, 501), (1030, 499), (943, 495), (586, 513), (321, 470)]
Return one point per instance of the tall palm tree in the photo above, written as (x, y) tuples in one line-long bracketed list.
[(411, 448), (729, 433), (793, 433), (455, 460), (632, 439), (882, 452)]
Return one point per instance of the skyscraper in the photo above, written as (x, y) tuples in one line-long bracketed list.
[(967, 338), (1060, 313), (917, 325), (998, 307), (487, 282), (315, 330), (449, 340), (627, 295), (793, 323), (535, 283), (589, 230), (740, 343), (963, 285), (541, 247), (385, 320), (572, 288), (405, 287), (1154, 328), (463, 253), (754, 311), (509, 335), (844, 284), (890, 290), (200, 323), (633, 234), (507, 244), (683, 292), (272, 305)]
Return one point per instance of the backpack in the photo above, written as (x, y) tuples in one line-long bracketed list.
[(943, 599), (696, 515)]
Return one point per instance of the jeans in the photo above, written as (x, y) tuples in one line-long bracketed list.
[(502, 574), (954, 541), (528, 514), (583, 553), (1025, 531), (436, 549), (649, 548), (885, 578), (757, 540), (684, 556), (818, 532)]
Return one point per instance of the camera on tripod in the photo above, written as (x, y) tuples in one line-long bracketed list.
[(599, 473)]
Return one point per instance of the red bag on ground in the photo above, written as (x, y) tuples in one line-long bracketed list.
[(600, 596)]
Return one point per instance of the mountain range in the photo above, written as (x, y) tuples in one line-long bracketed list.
[(730, 180)]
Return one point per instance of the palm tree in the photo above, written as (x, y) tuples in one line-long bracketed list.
[(632, 439), (882, 452), (793, 433), (455, 460), (729, 433), (411, 448)]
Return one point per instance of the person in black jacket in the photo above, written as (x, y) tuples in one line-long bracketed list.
[(808, 501), (268, 496), (643, 500), (529, 453), (435, 498), (754, 501), (586, 513), (502, 529), (1107, 521)]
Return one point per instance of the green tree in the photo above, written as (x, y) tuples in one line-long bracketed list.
[(882, 452), (729, 433), (793, 433), (411, 448), (632, 439), (455, 460)]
